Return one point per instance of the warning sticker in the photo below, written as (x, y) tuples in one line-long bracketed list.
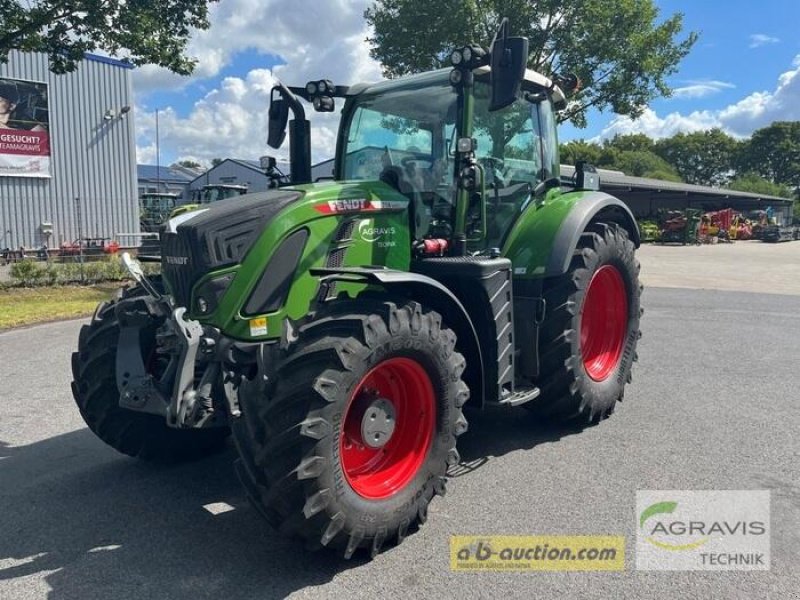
[(258, 326)]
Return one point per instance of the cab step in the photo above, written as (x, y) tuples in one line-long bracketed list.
[(521, 396)]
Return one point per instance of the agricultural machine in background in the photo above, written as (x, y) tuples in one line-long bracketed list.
[(741, 228), (716, 226), (649, 230), (155, 209), (679, 227), (339, 329)]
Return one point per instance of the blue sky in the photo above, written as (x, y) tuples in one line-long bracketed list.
[(743, 73)]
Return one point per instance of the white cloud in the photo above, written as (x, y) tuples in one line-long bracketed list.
[(740, 119), (760, 39), (701, 88), (659, 127), (314, 39)]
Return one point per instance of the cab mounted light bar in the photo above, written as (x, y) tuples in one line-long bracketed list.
[(321, 94)]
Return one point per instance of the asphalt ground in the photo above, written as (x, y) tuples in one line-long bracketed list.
[(713, 405), (743, 266)]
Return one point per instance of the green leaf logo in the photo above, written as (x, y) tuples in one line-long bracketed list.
[(666, 508), (656, 509)]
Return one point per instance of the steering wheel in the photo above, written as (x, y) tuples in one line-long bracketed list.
[(413, 161)]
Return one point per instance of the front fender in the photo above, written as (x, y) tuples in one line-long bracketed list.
[(436, 296), (541, 242)]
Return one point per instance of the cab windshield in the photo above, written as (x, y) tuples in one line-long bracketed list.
[(403, 134)]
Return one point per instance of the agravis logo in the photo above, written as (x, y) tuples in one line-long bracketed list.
[(703, 530), (369, 233)]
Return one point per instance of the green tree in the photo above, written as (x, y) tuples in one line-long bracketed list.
[(217, 161), (143, 31), (643, 163), (702, 157), (571, 152), (190, 164), (773, 153), (754, 183), (619, 49)]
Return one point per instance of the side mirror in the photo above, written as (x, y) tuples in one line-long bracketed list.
[(509, 60), (278, 118)]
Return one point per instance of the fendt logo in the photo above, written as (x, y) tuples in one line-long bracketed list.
[(177, 260), (702, 530), (369, 233)]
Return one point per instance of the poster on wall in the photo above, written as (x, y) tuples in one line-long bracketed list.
[(24, 125)]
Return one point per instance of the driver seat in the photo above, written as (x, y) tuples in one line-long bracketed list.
[(419, 214)]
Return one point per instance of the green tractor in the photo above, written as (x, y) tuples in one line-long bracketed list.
[(155, 209), (339, 329)]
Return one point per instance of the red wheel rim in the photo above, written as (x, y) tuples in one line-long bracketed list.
[(604, 321), (378, 473)]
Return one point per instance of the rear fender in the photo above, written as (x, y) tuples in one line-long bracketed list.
[(543, 239), (596, 207)]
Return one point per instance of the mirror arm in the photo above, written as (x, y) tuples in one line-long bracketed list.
[(294, 104)]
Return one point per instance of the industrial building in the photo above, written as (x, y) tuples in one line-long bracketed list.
[(67, 153), (645, 196)]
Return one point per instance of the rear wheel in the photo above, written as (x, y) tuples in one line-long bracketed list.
[(591, 328), (351, 436), (94, 387)]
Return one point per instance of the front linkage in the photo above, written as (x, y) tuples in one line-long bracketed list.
[(187, 347)]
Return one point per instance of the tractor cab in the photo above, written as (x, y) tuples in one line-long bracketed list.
[(470, 147), (413, 136), (216, 192), (155, 208)]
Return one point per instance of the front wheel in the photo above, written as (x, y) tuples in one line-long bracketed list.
[(591, 328), (350, 438)]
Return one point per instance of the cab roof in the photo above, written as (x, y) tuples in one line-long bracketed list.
[(533, 81)]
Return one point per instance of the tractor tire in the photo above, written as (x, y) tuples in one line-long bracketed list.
[(141, 435), (312, 460), (591, 329)]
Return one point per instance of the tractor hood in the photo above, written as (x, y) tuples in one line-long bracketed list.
[(216, 237)]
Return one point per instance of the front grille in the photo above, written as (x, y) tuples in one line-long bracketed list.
[(176, 267)]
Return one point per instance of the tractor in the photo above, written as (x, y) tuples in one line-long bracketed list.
[(155, 208), (338, 330)]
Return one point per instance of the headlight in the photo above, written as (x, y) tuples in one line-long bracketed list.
[(209, 294)]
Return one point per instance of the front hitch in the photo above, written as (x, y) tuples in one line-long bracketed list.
[(172, 394)]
